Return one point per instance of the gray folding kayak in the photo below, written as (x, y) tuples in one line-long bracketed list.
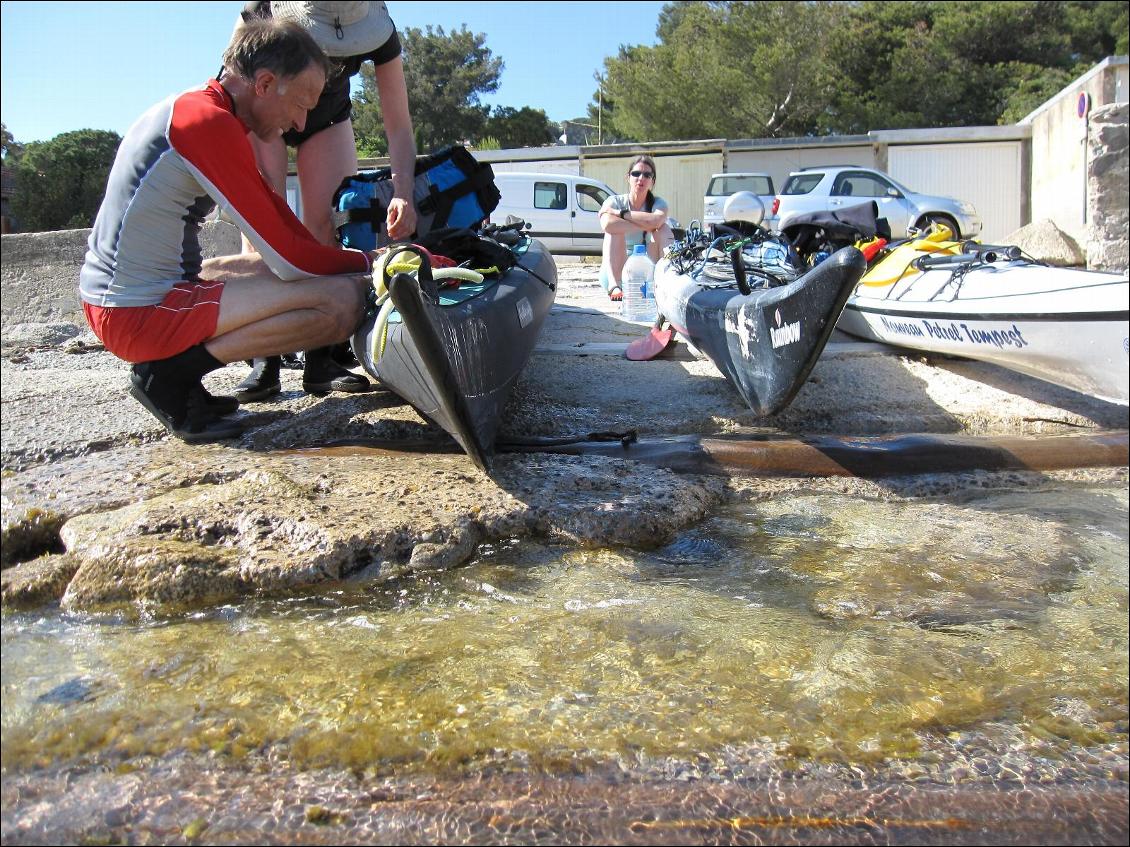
[(454, 352), (764, 340)]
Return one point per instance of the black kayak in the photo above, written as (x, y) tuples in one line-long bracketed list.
[(766, 342), (455, 352)]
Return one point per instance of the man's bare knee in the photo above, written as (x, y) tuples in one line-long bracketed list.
[(346, 306)]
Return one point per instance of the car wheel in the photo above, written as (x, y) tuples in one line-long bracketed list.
[(946, 220)]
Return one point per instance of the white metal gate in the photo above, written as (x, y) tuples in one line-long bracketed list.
[(988, 175)]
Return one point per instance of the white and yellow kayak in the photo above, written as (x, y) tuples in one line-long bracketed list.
[(1066, 326)]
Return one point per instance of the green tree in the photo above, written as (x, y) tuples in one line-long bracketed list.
[(932, 64), (525, 127), (1098, 29), (12, 148), (60, 183), (732, 70), (446, 74)]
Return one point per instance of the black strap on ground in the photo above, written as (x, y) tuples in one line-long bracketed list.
[(867, 457), (543, 443)]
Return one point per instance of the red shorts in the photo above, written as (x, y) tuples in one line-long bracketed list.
[(186, 317)]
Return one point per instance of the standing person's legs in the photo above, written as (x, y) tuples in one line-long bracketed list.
[(324, 160)]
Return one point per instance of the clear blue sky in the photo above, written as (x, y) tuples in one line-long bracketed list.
[(97, 65)]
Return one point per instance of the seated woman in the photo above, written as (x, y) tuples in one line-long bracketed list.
[(638, 217)]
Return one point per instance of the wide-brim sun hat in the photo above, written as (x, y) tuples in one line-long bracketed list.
[(340, 29)]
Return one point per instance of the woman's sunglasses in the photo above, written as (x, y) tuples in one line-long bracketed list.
[(641, 174)]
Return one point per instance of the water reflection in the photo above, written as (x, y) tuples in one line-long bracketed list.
[(978, 637)]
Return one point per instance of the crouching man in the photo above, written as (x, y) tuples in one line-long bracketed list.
[(145, 290)]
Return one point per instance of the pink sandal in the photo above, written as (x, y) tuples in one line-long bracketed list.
[(615, 294)]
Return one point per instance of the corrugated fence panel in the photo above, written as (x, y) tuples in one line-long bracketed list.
[(809, 157), (611, 170), (548, 166), (682, 179), (988, 175)]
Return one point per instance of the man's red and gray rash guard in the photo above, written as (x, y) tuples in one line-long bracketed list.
[(180, 160)]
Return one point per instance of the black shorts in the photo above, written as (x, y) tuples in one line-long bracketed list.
[(329, 111)]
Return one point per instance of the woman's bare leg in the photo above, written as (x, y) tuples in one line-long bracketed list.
[(272, 159), (324, 160)]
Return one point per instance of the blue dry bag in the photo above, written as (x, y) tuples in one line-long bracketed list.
[(452, 190)]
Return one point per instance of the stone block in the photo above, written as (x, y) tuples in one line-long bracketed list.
[(1045, 241), (1108, 189)]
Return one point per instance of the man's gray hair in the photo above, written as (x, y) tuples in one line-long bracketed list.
[(281, 47)]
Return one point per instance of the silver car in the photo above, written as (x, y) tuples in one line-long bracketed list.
[(721, 186), (833, 188)]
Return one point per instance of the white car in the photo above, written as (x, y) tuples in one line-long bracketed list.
[(829, 189), (563, 210), (721, 186)]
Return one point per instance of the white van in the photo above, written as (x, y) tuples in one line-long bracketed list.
[(563, 210)]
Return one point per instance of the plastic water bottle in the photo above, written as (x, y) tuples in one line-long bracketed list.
[(639, 287)]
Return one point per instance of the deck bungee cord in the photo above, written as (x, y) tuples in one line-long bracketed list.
[(391, 264)]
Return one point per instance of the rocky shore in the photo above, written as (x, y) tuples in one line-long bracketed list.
[(102, 511), (101, 508)]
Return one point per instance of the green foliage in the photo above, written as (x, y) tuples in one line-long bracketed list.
[(12, 149), (60, 183), (525, 127), (446, 73), (1098, 29), (933, 64), (753, 70), (1032, 87), (488, 142), (368, 126), (733, 70)]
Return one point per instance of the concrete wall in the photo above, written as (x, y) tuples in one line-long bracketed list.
[(1060, 145), (39, 271)]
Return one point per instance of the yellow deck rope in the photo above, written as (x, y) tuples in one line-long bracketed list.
[(384, 268)]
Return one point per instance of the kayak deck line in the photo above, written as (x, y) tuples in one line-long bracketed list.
[(684, 352)]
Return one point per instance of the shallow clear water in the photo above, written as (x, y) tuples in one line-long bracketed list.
[(817, 629)]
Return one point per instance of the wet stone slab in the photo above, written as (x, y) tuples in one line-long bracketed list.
[(196, 802), (191, 526)]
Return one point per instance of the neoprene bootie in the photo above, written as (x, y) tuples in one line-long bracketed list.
[(170, 389), (262, 382), (218, 404), (322, 374)]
